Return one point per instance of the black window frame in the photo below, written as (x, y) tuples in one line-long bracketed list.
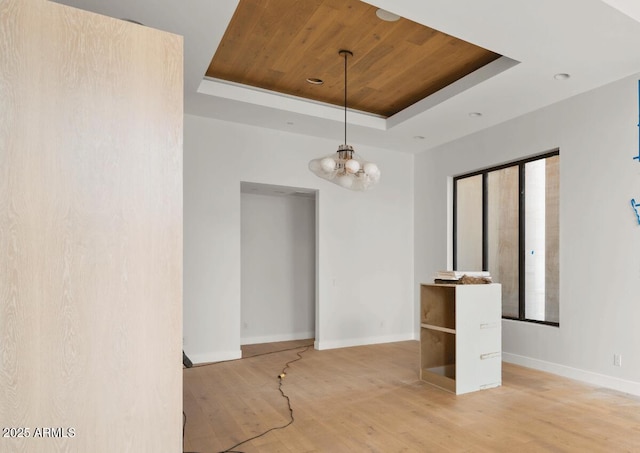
[(521, 226)]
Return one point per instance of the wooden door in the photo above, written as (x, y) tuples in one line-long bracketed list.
[(90, 232)]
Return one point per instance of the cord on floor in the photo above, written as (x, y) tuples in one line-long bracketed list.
[(280, 378)]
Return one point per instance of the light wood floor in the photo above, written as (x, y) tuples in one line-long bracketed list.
[(369, 399)]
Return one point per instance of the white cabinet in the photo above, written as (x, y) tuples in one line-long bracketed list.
[(460, 336)]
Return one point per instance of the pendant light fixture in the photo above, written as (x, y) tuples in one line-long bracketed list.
[(345, 167)]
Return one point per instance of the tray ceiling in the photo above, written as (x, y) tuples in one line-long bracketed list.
[(592, 40), (278, 45)]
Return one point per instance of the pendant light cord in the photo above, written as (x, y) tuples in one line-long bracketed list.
[(345, 98), (345, 53)]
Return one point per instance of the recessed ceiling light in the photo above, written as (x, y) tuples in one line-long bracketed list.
[(561, 76), (419, 137), (315, 81), (475, 114), (387, 16)]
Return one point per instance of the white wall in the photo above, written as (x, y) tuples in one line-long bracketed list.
[(597, 135), (278, 272), (365, 239)]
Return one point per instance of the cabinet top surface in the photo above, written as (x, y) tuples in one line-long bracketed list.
[(456, 285)]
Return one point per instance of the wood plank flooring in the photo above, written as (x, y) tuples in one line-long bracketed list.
[(369, 399)]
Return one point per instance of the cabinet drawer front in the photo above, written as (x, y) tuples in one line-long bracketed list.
[(477, 373), (488, 340), (489, 370)]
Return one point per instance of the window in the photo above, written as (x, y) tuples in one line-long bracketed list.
[(506, 221)]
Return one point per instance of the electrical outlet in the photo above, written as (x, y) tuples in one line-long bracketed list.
[(617, 360)]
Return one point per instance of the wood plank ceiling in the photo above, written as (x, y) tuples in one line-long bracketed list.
[(278, 44)]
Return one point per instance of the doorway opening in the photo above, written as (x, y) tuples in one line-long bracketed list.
[(278, 264)]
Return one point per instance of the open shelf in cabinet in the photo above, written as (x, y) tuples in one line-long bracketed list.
[(441, 309), (438, 358)]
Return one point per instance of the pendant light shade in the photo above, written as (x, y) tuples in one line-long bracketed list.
[(344, 167)]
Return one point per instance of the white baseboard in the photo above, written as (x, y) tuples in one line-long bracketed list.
[(589, 377), (214, 356), (347, 343), (276, 338), (233, 355)]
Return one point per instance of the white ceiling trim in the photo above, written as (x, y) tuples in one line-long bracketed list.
[(469, 81), (288, 103)]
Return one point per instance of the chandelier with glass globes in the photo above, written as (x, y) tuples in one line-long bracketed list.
[(344, 167)]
